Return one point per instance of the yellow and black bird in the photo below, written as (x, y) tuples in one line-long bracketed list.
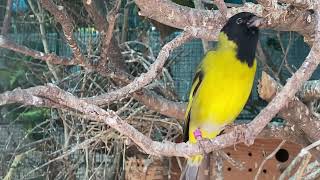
[(222, 83)]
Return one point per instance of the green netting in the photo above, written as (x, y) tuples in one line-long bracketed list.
[(184, 62)]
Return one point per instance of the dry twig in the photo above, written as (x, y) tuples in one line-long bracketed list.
[(112, 17), (144, 78), (267, 158), (304, 154), (62, 17)]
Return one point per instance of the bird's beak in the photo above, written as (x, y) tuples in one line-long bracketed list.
[(255, 21)]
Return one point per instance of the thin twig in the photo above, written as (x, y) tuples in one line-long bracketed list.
[(313, 175), (82, 145), (290, 168), (51, 58), (218, 166), (267, 158), (304, 152), (303, 166), (147, 77), (112, 17), (40, 17), (313, 166)]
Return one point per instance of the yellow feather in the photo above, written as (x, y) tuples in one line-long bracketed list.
[(222, 94)]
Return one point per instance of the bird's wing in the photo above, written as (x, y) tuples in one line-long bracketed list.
[(195, 85)]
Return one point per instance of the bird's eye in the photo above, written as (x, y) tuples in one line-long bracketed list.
[(239, 21)]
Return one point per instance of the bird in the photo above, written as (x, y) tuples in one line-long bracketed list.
[(222, 84)]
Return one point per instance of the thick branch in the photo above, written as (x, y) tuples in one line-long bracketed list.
[(290, 89), (99, 21), (171, 14), (61, 16), (222, 7), (209, 23), (160, 104), (307, 4), (52, 96), (294, 112)]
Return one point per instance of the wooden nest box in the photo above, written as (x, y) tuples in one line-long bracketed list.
[(251, 157)]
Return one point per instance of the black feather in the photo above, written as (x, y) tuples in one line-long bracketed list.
[(245, 37), (198, 76)]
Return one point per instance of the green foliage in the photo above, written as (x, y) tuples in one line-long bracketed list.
[(18, 71), (12, 72), (34, 114), (31, 118)]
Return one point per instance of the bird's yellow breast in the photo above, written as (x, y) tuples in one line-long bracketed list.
[(223, 92)]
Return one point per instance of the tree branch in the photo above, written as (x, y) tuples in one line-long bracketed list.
[(50, 58), (209, 23), (112, 17), (144, 78), (98, 20), (7, 18), (307, 4), (61, 16), (289, 90), (294, 112), (222, 7), (310, 90), (148, 98), (162, 105), (52, 96)]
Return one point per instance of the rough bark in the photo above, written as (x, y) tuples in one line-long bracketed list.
[(209, 23), (54, 97), (294, 112)]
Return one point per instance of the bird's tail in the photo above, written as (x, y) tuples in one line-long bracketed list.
[(197, 168)]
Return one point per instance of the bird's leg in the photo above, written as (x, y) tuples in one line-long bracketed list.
[(198, 135)]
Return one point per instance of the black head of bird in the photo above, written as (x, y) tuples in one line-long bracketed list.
[(242, 29)]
